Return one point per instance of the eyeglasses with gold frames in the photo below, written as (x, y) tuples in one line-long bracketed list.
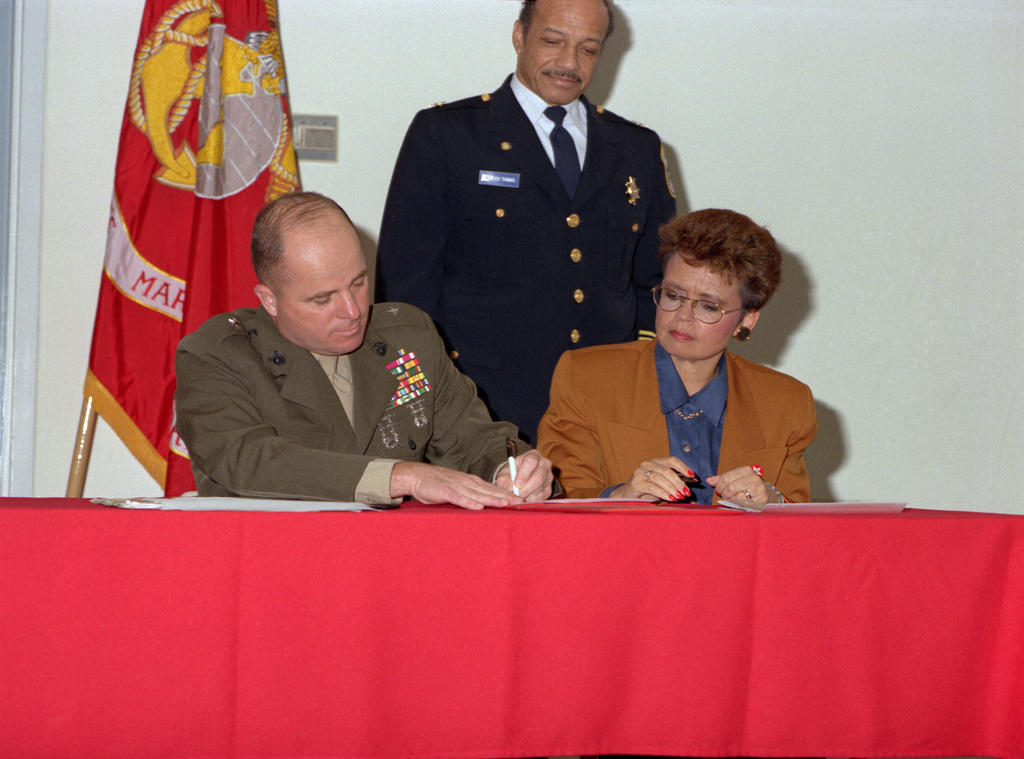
[(705, 311)]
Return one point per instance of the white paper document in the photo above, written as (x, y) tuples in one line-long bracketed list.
[(188, 503), (851, 507)]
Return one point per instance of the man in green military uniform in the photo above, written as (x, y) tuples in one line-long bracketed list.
[(316, 394)]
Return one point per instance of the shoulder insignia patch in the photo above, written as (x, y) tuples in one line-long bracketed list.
[(668, 174)]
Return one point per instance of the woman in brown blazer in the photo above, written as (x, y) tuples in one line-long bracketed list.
[(680, 418)]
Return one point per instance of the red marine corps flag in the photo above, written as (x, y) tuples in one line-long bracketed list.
[(205, 142)]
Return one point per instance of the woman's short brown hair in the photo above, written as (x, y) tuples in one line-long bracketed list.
[(729, 244)]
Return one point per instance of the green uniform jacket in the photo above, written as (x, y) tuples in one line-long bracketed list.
[(260, 417)]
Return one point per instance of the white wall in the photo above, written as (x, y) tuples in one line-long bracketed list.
[(882, 141)]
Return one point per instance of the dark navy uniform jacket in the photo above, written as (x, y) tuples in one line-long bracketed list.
[(479, 232)]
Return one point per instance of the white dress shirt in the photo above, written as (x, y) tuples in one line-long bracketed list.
[(575, 120)]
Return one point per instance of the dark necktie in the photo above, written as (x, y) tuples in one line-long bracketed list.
[(567, 161)]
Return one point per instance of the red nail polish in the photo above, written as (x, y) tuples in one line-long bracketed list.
[(758, 470)]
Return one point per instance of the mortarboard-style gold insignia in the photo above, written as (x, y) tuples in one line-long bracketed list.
[(632, 191)]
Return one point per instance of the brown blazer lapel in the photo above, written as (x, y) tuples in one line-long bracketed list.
[(637, 430), (743, 439)]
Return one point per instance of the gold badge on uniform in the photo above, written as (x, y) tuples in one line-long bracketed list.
[(632, 191)]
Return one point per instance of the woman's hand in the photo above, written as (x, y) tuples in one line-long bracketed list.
[(741, 485), (661, 478)]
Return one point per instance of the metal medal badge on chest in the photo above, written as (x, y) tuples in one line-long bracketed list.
[(418, 409), (632, 191), (388, 433)]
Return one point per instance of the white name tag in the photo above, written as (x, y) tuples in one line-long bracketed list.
[(499, 179)]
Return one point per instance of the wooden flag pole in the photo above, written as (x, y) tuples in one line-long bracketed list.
[(83, 449)]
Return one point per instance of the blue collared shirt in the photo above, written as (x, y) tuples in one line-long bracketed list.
[(698, 440)]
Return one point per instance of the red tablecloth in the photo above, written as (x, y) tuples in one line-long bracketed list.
[(445, 633)]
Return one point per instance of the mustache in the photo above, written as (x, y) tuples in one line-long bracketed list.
[(562, 73)]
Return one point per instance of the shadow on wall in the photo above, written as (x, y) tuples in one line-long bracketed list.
[(614, 50), (825, 455), (600, 90), (781, 318), (369, 243)]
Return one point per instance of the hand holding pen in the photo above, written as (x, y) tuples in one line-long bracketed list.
[(510, 451), (665, 479), (527, 475)]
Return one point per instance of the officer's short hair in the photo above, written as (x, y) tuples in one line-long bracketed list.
[(526, 16), (277, 217)]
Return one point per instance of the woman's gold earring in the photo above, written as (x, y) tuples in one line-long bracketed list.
[(742, 334)]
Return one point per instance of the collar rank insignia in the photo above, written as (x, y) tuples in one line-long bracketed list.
[(412, 383), (632, 191)]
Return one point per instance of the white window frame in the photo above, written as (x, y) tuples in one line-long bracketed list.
[(23, 75)]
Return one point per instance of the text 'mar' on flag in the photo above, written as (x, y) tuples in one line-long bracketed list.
[(205, 142)]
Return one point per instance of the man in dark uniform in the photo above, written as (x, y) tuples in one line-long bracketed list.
[(316, 395), (526, 230)]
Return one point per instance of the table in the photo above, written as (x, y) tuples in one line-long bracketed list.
[(437, 632)]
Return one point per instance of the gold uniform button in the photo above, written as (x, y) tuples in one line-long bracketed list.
[(636, 227), (578, 296), (506, 146), (485, 97), (500, 213), (575, 335), (575, 254), (454, 354), (600, 109), (573, 220)]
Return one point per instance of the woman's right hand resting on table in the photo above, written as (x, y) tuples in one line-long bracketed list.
[(664, 479)]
